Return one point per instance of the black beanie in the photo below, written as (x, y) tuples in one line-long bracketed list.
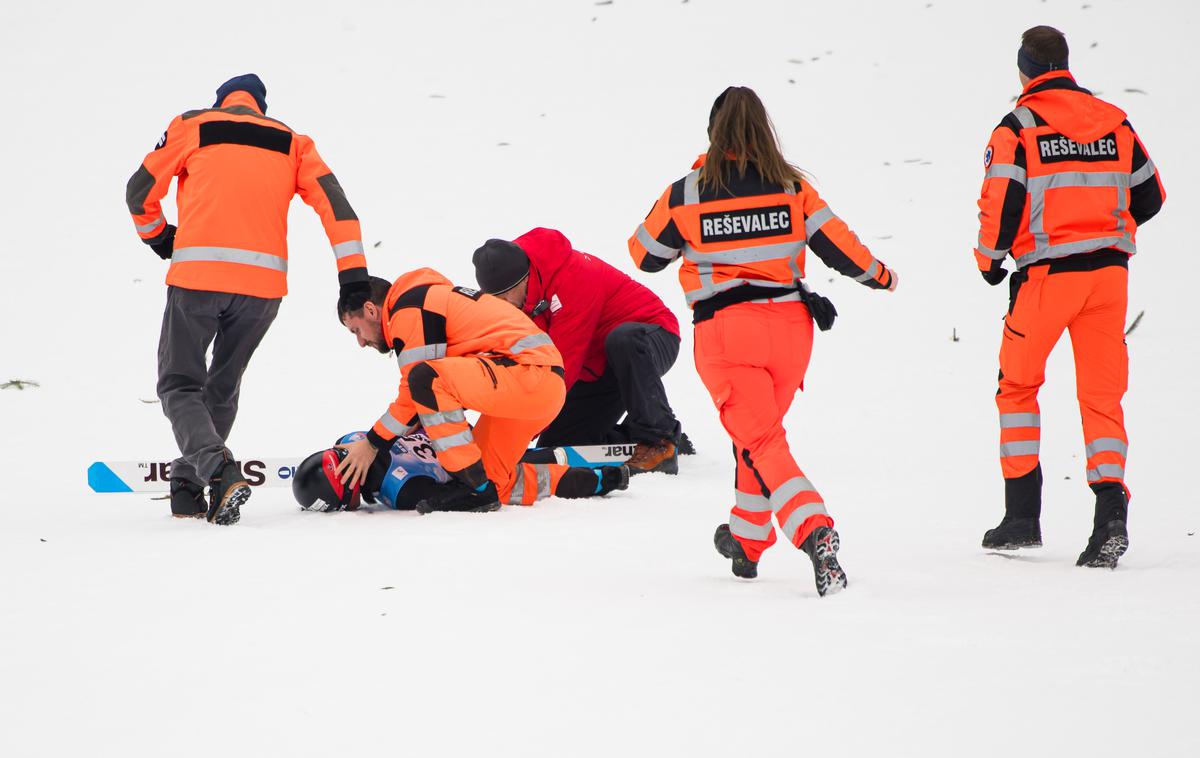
[(500, 265), (245, 83), (1033, 68)]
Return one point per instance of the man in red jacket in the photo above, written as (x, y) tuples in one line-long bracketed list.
[(617, 340)]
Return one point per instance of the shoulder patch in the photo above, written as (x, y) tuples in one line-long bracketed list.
[(161, 141), (987, 156), (474, 294)]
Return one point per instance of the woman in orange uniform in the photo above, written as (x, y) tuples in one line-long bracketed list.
[(741, 221)]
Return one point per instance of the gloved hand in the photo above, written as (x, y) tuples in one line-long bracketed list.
[(354, 292), (995, 275), (163, 244)]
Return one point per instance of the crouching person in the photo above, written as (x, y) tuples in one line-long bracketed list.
[(616, 337), (460, 349), (407, 476)]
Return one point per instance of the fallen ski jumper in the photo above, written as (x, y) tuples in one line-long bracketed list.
[(407, 476)]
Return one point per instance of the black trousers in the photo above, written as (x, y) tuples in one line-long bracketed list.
[(199, 399), (638, 357)]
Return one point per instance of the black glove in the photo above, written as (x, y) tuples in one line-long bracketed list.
[(994, 275), (163, 243), (354, 294), (820, 307)]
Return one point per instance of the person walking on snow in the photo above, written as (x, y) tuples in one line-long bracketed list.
[(461, 349), (617, 340), (1066, 185), (238, 171), (741, 221)]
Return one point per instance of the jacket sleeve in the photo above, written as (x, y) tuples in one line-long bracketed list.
[(657, 240), (1002, 199), (1146, 193), (319, 188), (417, 335), (149, 184), (572, 329), (837, 246)]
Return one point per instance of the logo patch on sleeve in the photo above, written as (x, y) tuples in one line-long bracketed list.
[(161, 141), (752, 223), (468, 292), (987, 157)]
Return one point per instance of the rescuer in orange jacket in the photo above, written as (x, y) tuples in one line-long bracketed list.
[(742, 221), (238, 171), (1067, 183), (460, 349)]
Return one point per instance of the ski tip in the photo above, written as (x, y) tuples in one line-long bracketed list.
[(101, 478)]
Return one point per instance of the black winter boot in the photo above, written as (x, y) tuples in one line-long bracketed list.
[(822, 547), (1013, 533), (728, 546), (228, 490), (1108, 543), (187, 499)]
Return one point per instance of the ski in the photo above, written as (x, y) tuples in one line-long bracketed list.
[(155, 476)]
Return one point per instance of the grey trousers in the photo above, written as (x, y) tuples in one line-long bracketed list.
[(201, 400)]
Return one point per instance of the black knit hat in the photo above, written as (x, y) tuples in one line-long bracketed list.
[(245, 83), (500, 265)]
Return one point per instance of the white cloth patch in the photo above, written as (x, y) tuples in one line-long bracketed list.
[(555, 304)]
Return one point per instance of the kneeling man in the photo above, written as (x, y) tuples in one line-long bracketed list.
[(617, 340), (460, 349)]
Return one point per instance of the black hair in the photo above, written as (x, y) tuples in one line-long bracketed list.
[(351, 303)]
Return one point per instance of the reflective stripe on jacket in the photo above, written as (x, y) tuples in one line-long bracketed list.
[(238, 171), (751, 233), (1065, 174), (425, 317)]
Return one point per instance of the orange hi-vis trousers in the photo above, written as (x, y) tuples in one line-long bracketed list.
[(515, 402), (752, 358), (1090, 305)]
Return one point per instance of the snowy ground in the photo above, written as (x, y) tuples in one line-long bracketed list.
[(607, 627)]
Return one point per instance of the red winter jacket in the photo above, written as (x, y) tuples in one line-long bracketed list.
[(586, 299)]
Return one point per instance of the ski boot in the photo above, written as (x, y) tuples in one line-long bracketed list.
[(612, 478), (581, 481), (1013, 533), (187, 499), (728, 546), (660, 456), (228, 490), (821, 547), (1106, 546)]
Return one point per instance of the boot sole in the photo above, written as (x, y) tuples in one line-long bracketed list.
[(1110, 552), (670, 468), (1012, 545), (825, 564), (229, 512)]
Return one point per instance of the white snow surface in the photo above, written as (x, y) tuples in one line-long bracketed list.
[(604, 627)]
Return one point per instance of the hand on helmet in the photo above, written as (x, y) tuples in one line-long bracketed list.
[(359, 457)]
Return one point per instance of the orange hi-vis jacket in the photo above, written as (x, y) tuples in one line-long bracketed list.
[(1065, 175), (747, 241), (238, 171), (425, 317)]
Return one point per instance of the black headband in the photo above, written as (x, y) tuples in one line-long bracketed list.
[(1032, 68)]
